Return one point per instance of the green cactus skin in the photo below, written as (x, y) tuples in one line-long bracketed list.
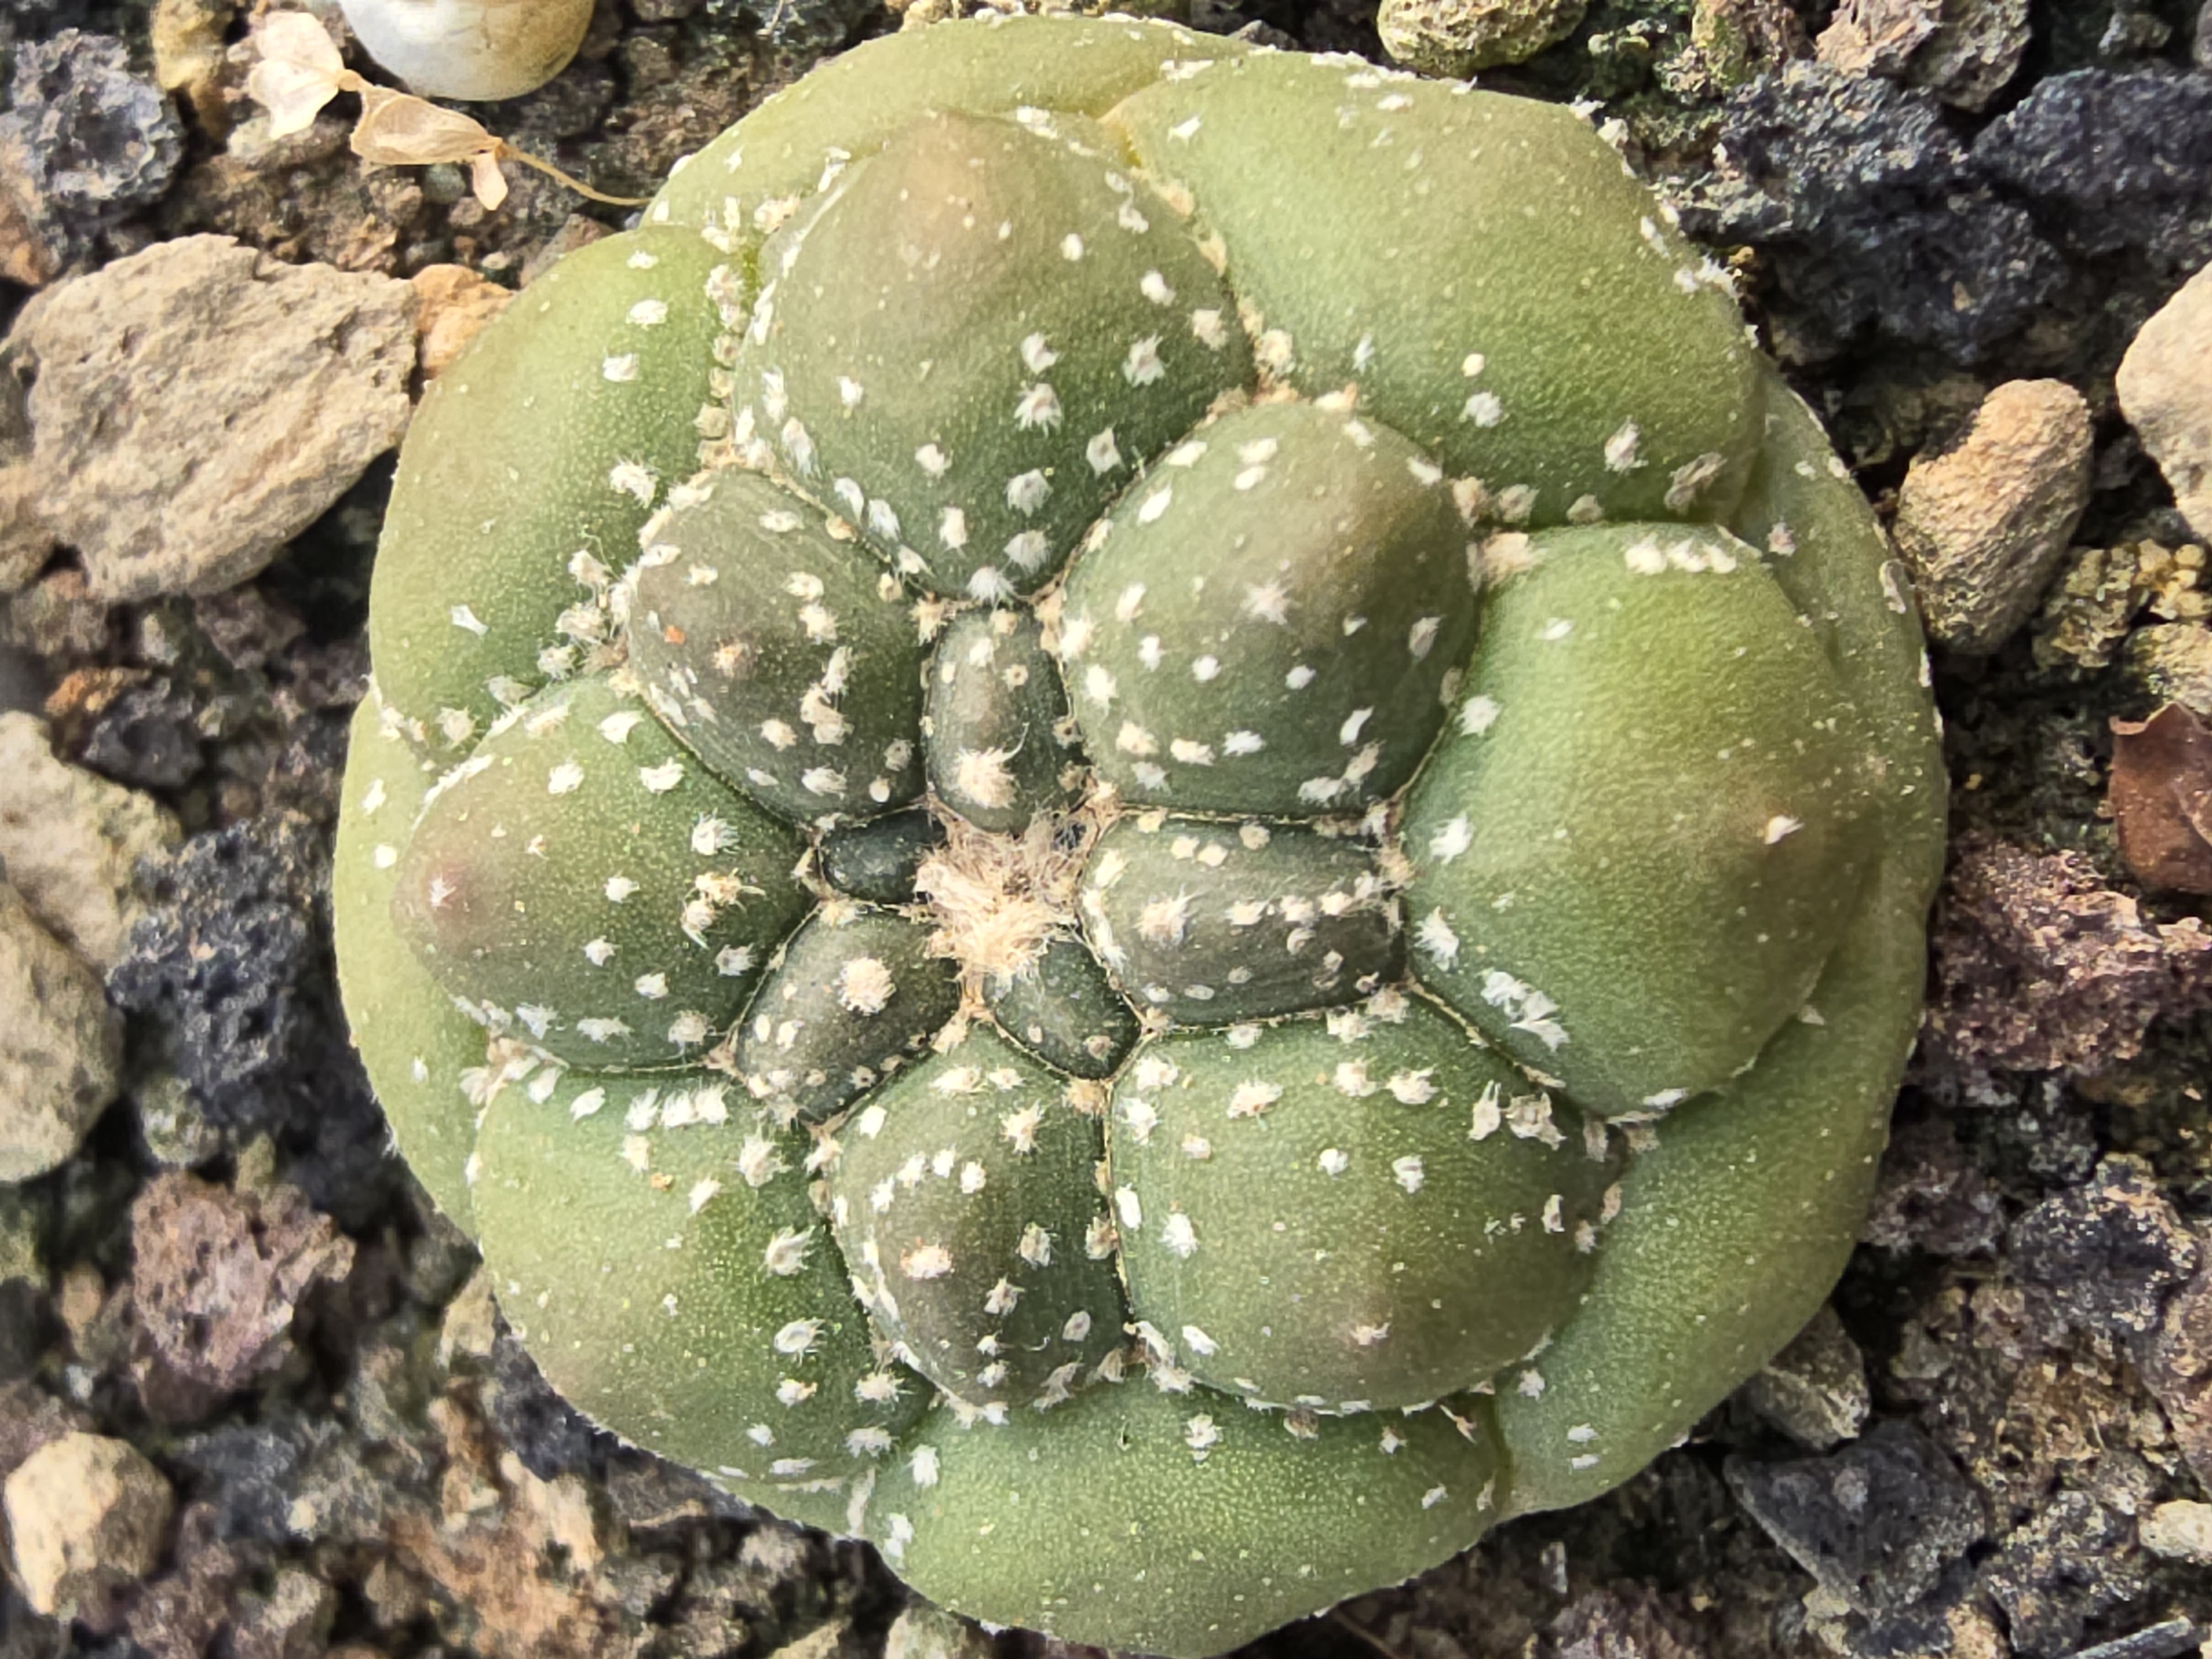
[(1686, 832), (1215, 923), (1064, 1010), (658, 1251), (780, 655), (963, 1198), (581, 880), (1289, 1256), (1274, 805), (1151, 1502), (878, 861), (571, 432), (853, 996), (1288, 572), (420, 1050), (996, 716)]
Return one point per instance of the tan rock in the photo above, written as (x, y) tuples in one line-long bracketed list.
[(70, 842), (2165, 392), (86, 1515), (1457, 36), (1983, 520), (2179, 1531), (179, 455), (455, 305), (61, 1046)]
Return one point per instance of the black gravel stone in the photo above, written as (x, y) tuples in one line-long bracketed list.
[(2104, 1256), (1876, 1524), (2112, 161), (231, 973), (92, 138), (1874, 216), (148, 738), (551, 1436)]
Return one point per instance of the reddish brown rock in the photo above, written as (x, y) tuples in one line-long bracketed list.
[(218, 1275)]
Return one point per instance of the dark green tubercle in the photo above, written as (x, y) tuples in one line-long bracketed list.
[(1267, 622), (581, 882), (780, 652), (1139, 816), (854, 995), (876, 862), (1211, 923), (964, 1198), (1356, 1213), (1063, 1009), (998, 738)]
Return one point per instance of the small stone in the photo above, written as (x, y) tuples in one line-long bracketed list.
[(1875, 1524), (2039, 967), (455, 304), (2180, 1531), (1965, 51), (218, 1274), (923, 1631), (26, 544), (86, 1516), (1815, 1389), (2087, 615), (2171, 662), (70, 842), (290, 1622), (90, 137), (1457, 36), (61, 1046), (2103, 1257), (2160, 797), (2165, 392), (1984, 520), (1975, 52), (1877, 37), (180, 454), (187, 39)]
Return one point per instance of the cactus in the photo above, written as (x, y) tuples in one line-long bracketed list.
[(1133, 795)]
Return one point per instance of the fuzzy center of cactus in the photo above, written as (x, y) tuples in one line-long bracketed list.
[(997, 899)]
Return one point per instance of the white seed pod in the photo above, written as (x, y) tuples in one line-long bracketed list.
[(477, 49)]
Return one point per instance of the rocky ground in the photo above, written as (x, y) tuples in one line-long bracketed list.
[(255, 1400)]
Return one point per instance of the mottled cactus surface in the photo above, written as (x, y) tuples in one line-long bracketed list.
[(1138, 816)]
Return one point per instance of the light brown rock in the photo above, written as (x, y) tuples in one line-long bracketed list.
[(1458, 36), (199, 403), (86, 1515), (70, 842), (2179, 1531), (61, 1045), (1983, 520), (456, 304), (2165, 392)]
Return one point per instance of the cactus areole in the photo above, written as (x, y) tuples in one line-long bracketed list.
[(1137, 817)]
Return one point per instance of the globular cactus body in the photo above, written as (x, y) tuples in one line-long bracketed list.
[(1136, 816)]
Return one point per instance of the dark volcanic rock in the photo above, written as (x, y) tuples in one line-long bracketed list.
[(231, 969), (1874, 215), (1876, 1523), (2105, 1256), (88, 136), (2112, 161)]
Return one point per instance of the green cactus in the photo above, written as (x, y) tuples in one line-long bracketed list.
[(1136, 816)]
